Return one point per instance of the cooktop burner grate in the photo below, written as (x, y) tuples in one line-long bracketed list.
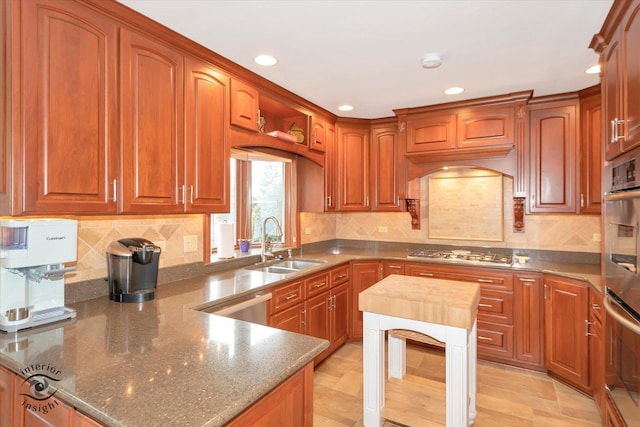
[(462, 255)]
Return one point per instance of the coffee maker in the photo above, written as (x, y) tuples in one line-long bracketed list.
[(132, 264), (32, 257)]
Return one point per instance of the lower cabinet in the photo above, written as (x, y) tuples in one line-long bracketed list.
[(509, 312), (566, 328), (596, 349), (364, 274), (288, 405), (16, 409), (318, 305)]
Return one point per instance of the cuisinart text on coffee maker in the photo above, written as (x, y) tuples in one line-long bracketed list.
[(32, 257), (132, 264)]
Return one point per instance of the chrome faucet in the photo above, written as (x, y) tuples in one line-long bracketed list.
[(265, 251)]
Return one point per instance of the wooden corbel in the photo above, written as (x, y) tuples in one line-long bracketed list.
[(413, 207), (518, 214)]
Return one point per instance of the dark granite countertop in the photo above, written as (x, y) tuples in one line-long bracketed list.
[(164, 363)]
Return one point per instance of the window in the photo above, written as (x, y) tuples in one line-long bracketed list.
[(260, 187)]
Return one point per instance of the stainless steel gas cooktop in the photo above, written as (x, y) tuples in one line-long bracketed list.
[(461, 255)]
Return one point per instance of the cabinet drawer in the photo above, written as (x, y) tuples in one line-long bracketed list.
[(340, 275), (488, 278), (286, 296), (393, 267), (495, 340), (317, 284), (495, 306)]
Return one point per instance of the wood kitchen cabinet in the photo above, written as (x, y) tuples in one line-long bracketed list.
[(364, 274), (392, 267), (552, 154), (618, 43), (290, 404), (64, 130), (566, 314), (387, 166), (590, 148), (205, 186), (245, 105), (330, 169), (319, 134), (353, 166), (431, 132), (152, 124), (528, 305), (596, 349), (6, 397)]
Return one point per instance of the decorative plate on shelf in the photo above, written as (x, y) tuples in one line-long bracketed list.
[(297, 131)]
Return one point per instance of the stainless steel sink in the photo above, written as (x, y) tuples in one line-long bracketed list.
[(285, 266)]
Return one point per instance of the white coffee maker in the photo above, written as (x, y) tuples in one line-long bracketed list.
[(32, 257)]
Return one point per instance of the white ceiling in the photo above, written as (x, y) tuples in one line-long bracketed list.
[(368, 53)]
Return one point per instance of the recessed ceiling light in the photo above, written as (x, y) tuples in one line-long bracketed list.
[(345, 107), (594, 69), (454, 90), (266, 60)]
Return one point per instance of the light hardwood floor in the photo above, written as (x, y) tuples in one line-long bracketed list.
[(507, 396)]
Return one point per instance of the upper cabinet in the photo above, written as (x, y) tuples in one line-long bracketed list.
[(552, 155), (353, 166), (245, 109), (206, 181), (618, 44), (264, 121), (387, 166), (590, 148), (480, 128), (152, 124), (64, 136)]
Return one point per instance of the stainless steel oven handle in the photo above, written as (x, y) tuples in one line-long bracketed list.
[(613, 313), (623, 195), (225, 311)]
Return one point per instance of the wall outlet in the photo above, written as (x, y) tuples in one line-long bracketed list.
[(190, 243), (596, 237), (383, 229)]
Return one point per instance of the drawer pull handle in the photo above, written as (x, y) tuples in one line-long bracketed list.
[(485, 280), (320, 285), (396, 267), (481, 338), (341, 276), (291, 296), (427, 274), (524, 279), (485, 305)]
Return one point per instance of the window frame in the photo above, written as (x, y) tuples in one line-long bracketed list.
[(243, 200)]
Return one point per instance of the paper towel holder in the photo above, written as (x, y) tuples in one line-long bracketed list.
[(225, 240)]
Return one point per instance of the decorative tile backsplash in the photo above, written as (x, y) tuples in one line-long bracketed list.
[(96, 233), (573, 233)]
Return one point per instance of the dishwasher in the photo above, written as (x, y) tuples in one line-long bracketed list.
[(251, 308)]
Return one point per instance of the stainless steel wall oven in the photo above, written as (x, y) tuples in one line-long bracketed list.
[(622, 285)]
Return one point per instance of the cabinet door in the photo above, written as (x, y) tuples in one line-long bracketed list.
[(31, 412), (317, 316), (245, 110), (566, 344), (528, 321), (291, 320), (363, 275), (631, 73), (596, 349), (207, 152), (385, 162), (353, 171), (590, 155), (330, 170), (431, 133), (152, 121), (69, 97), (553, 155), (318, 140), (613, 97), (340, 308), (6, 397), (483, 127)]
